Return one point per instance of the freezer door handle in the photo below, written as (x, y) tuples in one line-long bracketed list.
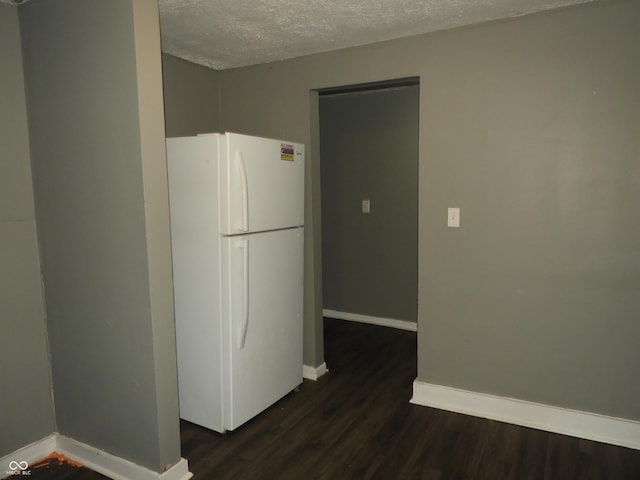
[(245, 293), (245, 191)]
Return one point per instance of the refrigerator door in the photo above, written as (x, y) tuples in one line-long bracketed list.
[(262, 321), (261, 184)]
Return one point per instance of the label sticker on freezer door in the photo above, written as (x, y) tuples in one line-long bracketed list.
[(286, 152)]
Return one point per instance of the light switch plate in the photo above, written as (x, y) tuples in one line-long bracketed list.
[(453, 217), (366, 205)]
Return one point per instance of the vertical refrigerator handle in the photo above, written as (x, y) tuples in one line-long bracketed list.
[(245, 191), (245, 293)]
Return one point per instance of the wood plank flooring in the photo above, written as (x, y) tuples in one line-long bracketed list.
[(356, 422)]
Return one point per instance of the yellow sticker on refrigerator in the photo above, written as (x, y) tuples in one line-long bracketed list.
[(286, 152)]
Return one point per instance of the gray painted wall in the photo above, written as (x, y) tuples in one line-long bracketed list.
[(369, 150), (190, 97), (94, 97), (530, 126), (26, 403)]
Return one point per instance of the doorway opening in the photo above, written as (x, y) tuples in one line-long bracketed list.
[(368, 144)]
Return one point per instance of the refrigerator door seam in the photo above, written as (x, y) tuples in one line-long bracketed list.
[(257, 232)]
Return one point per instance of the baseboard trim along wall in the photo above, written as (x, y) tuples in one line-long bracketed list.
[(29, 454), (385, 322), (575, 423), (97, 460), (314, 373)]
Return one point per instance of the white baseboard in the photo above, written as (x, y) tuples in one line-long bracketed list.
[(385, 322), (114, 467), (30, 454), (314, 373), (575, 423)]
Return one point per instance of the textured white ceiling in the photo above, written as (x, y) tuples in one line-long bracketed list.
[(225, 34)]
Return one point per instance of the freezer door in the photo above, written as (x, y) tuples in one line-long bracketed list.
[(262, 323), (261, 184)]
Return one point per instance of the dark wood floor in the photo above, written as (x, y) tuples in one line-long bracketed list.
[(356, 422)]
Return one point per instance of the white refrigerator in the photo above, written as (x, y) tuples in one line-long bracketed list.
[(237, 215)]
